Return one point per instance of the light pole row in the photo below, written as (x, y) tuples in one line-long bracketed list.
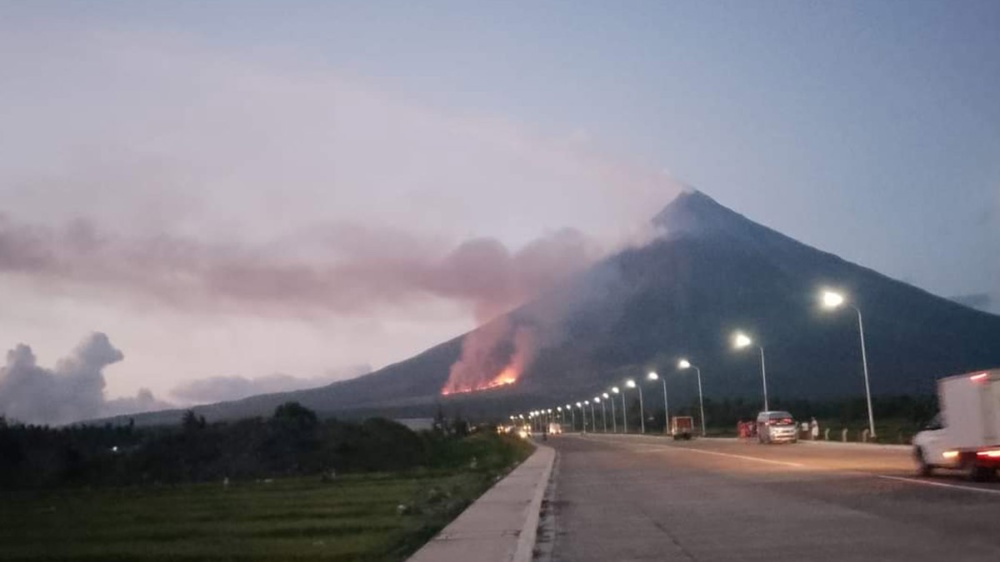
[(829, 300)]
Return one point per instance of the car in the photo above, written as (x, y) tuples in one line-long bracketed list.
[(776, 426)]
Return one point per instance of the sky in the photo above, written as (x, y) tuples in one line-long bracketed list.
[(238, 197)]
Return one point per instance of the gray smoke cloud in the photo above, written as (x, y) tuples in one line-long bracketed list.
[(217, 389), (72, 391), (341, 268)]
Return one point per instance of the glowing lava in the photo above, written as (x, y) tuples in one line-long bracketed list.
[(507, 376)]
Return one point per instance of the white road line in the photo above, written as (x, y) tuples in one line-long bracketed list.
[(646, 447), (744, 457), (676, 447), (932, 483)]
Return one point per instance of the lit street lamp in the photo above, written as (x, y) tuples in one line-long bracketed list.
[(572, 417), (614, 422), (593, 419), (614, 390), (583, 414), (666, 405), (833, 300), (685, 364), (741, 340), (604, 412), (642, 412)]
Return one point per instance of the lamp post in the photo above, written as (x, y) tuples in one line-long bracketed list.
[(833, 300), (593, 418), (583, 415), (615, 390), (666, 405), (685, 364), (604, 413), (741, 340), (572, 417), (614, 422), (642, 411)]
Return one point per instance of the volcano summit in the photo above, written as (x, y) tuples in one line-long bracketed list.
[(708, 272)]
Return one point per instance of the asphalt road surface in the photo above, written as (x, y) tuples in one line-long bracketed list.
[(619, 498)]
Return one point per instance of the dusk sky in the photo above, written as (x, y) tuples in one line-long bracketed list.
[(250, 196)]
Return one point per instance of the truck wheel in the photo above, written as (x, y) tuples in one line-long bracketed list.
[(923, 469), (973, 470), (979, 473)]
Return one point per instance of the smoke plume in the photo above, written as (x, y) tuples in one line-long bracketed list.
[(339, 268), (73, 391)]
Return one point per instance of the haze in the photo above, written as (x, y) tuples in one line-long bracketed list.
[(252, 196)]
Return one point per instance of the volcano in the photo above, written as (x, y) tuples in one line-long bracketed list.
[(709, 272)]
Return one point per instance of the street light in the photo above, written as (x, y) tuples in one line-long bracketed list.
[(615, 390), (604, 412), (741, 340), (832, 300), (642, 412), (583, 414), (593, 418), (666, 405), (685, 364), (614, 421), (572, 417)]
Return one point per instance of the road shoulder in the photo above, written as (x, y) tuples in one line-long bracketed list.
[(502, 524)]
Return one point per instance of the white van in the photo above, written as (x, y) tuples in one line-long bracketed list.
[(966, 434), (776, 426)]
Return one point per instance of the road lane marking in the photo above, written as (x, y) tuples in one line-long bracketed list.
[(650, 447), (933, 483), (676, 447), (744, 457)]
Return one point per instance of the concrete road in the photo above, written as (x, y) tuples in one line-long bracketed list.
[(620, 498)]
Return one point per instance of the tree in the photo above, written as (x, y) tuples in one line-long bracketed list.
[(192, 421), (295, 416)]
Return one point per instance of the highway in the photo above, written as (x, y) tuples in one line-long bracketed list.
[(623, 498)]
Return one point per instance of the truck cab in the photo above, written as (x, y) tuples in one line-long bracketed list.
[(965, 435)]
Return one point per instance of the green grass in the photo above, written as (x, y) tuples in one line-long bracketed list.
[(354, 517)]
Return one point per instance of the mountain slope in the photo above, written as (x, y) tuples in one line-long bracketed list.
[(710, 272)]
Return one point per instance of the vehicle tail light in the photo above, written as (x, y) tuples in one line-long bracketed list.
[(949, 454), (977, 378), (989, 453)]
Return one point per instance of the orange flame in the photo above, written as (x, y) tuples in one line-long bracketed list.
[(506, 377)]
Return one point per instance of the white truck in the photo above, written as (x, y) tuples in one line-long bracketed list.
[(965, 435)]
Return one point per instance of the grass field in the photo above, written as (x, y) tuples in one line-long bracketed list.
[(354, 517)]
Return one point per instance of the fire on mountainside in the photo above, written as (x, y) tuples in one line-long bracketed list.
[(506, 377)]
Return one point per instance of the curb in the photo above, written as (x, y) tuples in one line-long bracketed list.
[(529, 532), (502, 524), (855, 445)]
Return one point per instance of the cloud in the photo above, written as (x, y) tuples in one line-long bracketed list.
[(217, 389), (143, 401), (73, 391)]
